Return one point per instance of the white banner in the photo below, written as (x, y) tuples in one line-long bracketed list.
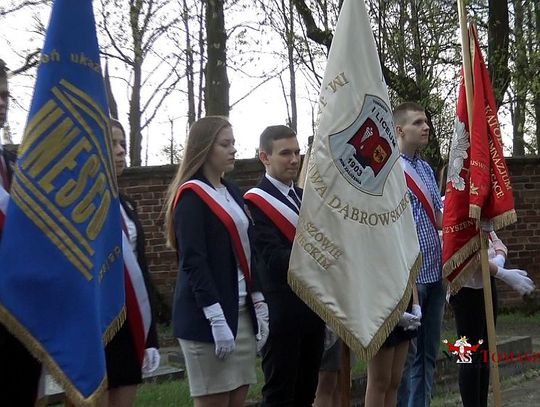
[(356, 254)]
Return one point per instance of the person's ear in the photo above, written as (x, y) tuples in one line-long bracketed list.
[(263, 156), (399, 131)]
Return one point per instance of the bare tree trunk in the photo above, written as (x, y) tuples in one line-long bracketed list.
[(201, 59), (289, 33), (135, 100), (536, 77), (217, 82), (498, 43), (520, 81), (189, 70)]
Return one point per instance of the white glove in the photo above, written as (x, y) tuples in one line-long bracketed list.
[(409, 321), (151, 360), (517, 279), (261, 311), (417, 311), (222, 334), (330, 338), (498, 260)]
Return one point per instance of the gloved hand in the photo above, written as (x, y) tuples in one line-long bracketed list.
[(409, 321), (330, 337), (417, 311), (151, 360), (261, 311), (499, 260), (517, 279), (222, 334)]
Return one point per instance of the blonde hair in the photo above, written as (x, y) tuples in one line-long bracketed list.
[(201, 137)]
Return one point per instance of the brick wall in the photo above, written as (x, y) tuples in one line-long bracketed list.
[(148, 185)]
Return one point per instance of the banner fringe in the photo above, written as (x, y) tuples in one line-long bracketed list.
[(39, 352), (475, 211), (115, 326), (363, 352), (504, 219)]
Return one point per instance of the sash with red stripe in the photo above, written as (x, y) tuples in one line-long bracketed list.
[(4, 187), (137, 303), (418, 188), (238, 234), (4, 199), (283, 217)]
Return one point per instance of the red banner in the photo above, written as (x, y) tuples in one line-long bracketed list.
[(478, 183)]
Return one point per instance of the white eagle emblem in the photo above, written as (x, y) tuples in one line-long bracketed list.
[(458, 153)]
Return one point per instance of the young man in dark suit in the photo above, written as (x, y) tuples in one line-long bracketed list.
[(292, 354), (19, 371)]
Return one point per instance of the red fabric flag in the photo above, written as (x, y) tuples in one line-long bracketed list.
[(478, 184)]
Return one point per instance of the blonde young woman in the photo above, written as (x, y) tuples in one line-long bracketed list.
[(217, 315)]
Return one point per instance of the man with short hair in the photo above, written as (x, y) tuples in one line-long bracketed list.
[(292, 354), (19, 370), (412, 131)]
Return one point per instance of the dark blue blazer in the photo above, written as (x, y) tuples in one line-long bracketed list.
[(272, 247), (207, 268)]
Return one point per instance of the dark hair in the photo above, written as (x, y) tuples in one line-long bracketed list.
[(272, 133), (400, 112), (118, 125)]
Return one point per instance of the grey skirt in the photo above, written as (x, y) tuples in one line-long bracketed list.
[(209, 375)]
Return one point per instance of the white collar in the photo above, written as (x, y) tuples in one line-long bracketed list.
[(284, 189)]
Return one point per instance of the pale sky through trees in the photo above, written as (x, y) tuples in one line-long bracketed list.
[(264, 106)]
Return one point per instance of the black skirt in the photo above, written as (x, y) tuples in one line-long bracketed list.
[(123, 367)]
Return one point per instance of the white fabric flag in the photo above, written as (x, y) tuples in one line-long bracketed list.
[(356, 255)]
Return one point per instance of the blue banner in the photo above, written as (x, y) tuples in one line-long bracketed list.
[(61, 277)]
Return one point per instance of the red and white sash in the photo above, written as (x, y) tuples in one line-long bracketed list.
[(419, 189), (237, 232), (4, 195), (283, 217), (137, 303), (4, 199)]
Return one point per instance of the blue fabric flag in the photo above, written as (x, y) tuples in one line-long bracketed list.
[(61, 277)]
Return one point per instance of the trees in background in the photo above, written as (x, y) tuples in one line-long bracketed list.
[(178, 56)]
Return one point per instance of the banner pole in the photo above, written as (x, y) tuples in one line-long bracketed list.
[(490, 322), (486, 278), (345, 376)]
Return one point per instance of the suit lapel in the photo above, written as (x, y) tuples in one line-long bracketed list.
[(267, 186)]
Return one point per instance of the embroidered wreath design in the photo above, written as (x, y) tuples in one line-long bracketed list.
[(458, 153)]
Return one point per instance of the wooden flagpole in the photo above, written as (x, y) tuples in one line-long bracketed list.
[(486, 278)]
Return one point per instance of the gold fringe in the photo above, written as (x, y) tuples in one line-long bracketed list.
[(474, 211), (363, 352), (39, 352), (461, 255), (504, 219), (115, 326)]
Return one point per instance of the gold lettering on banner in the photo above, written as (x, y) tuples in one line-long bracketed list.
[(109, 261), (338, 82), (318, 183), (499, 168), (314, 242), (460, 226), (52, 56), (373, 219), (60, 139)]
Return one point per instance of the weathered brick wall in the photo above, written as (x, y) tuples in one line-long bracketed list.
[(148, 185)]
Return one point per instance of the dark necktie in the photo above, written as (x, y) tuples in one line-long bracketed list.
[(295, 199)]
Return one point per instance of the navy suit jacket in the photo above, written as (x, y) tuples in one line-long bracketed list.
[(208, 270), (272, 247), (9, 159)]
